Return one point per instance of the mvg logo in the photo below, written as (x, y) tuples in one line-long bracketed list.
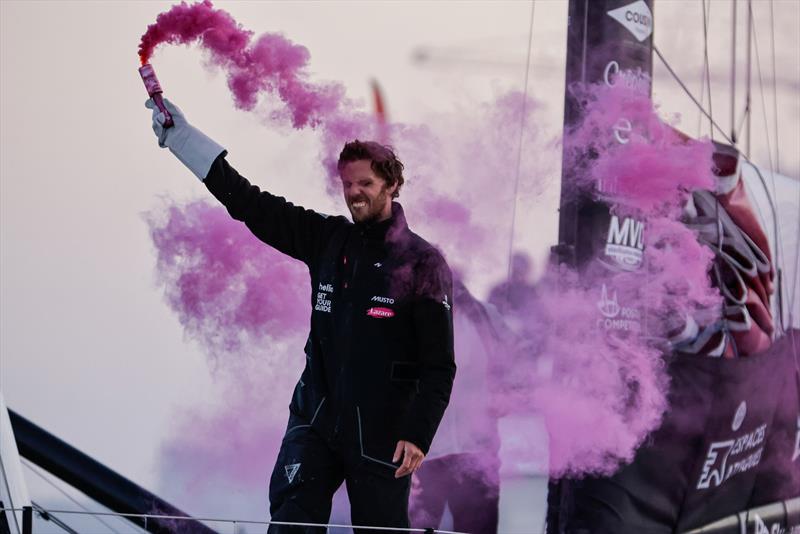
[(625, 242), (636, 17)]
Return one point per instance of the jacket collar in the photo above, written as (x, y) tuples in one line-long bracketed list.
[(388, 227)]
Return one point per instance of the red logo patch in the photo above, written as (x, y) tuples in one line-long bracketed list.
[(380, 313)]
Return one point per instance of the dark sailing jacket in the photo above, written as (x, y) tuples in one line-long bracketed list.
[(379, 357)]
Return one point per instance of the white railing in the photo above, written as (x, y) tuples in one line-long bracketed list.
[(144, 518)]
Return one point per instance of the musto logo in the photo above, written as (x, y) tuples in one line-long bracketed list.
[(636, 18), (731, 457), (380, 313), (625, 243)]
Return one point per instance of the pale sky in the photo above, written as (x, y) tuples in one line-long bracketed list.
[(88, 347)]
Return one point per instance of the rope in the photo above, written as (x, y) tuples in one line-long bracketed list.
[(776, 227), (519, 148), (240, 521), (779, 251), (35, 471), (733, 76), (774, 88), (690, 95), (749, 74), (705, 76), (50, 517), (794, 289), (763, 101)]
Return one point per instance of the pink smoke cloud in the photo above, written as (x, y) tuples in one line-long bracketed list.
[(606, 390), (226, 286), (247, 307), (272, 64)]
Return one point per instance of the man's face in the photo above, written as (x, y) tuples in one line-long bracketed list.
[(366, 194)]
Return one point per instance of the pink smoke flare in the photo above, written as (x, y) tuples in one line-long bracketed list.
[(271, 64)]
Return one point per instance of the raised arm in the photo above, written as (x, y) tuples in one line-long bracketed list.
[(291, 229)]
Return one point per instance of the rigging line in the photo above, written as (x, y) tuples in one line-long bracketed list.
[(519, 148), (36, 471), (724, 136), (794, 286), (745, 119), (733, 75), (690, 95), (705, 76), (713, 122), (7, 487), (44, 514), (764, 107), (764, 110), (779, 251), (250, 522), (749, 71), (774, 87), (705, 67)]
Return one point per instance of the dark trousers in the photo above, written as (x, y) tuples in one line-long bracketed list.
[(308, 472), (468, 483)]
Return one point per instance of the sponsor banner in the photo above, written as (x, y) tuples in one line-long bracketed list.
[(725, 446), (745, 456)]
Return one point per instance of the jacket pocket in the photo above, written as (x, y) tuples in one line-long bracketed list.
[(369, 455), (405, 374), (299, 422)]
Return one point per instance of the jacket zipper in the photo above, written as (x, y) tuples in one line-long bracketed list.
[(348, 287)]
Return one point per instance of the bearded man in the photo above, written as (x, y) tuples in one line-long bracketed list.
[(379, 357)]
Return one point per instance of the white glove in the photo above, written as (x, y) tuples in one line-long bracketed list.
[(191, 146)]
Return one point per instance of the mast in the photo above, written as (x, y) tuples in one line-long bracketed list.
[(607, 41)]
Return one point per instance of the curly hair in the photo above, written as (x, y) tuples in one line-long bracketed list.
[(383, 160)]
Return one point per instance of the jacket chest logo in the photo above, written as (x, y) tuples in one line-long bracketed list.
[(324, 293), (380, 313)]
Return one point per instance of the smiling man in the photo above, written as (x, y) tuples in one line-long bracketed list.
[(379, 357)]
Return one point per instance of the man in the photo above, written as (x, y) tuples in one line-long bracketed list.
[(517, 293), (379, 357)]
